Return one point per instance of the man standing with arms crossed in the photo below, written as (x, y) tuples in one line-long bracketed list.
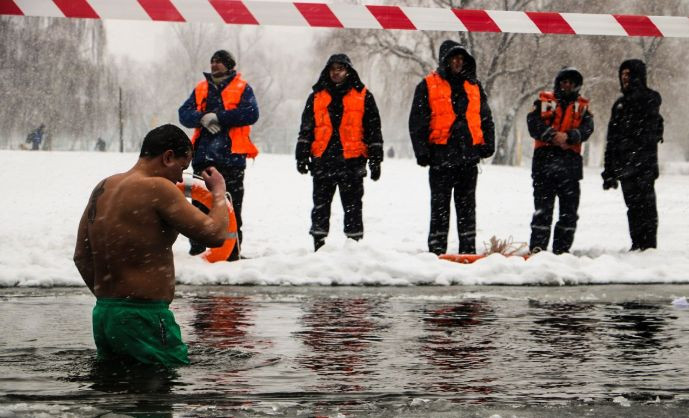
[(124, 249), (221, 109)]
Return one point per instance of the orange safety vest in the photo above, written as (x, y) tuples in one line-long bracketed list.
[(231, 95), (443, 114), (562, 121), (351, 127)]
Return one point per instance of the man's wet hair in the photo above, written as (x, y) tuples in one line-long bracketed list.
[(163, 138)]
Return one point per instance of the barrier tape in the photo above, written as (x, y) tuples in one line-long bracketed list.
[(323, 15)]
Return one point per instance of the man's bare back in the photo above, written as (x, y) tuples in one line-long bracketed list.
[(125, 237)]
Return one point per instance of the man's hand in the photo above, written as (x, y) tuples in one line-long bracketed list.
[(209, 120), (214, 128), (375, 170), (560, 139), (609, 184), (423, 160), (214, 181), (303, 166)]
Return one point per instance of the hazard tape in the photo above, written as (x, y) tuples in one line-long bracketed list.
[(322, 15)]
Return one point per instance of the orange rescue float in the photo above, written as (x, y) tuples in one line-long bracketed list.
[(194, 188), (470, 258)]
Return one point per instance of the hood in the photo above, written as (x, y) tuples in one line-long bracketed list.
[(324, 79), (637, 71), (570, 73), (449, 48)]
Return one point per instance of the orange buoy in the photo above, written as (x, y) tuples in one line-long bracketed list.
[(194, 188), (470, 258)]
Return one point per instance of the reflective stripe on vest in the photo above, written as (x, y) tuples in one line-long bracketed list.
[(562, 121), (351, 127), (443, 115), (231, 96)]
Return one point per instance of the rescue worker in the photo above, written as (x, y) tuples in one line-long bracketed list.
[(559, 123), (221, 109), (631, 153), (340, 132), (451, 129)]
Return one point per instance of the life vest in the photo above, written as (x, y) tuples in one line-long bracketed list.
[(562, 121), (231, 95), (195, 189), (351, 126), (443, 114)]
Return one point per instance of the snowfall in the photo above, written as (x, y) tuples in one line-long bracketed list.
[(45, 193)]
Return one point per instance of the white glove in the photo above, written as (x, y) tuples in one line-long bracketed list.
[(213, 128), (208, 119)]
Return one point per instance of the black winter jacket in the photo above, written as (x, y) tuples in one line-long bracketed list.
[(332, 162), (635, 129), (459, 150), (553, 161)]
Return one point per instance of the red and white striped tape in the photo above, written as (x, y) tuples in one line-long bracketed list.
[(324, 15)]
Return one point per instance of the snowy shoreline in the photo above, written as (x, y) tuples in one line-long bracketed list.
[(48, 191)]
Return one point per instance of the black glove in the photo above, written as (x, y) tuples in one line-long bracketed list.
[(375, 170), (484, 151), (303, 166), (609, 184), (423, 160)]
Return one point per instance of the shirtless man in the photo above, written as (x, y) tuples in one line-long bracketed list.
[(124, 249)]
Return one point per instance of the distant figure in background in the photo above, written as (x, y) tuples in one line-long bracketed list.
[(631, 153), (36, 137), (559, 123), (222, 109), (451, 129), (100, 145), (124, 249), (391, 152), (340, 131)]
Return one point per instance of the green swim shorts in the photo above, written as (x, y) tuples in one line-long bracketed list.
[(140, 329)]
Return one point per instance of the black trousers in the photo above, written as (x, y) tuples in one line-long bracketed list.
[(443, 181), (234, 182), (545, 190), (642, 214), (351, 186)]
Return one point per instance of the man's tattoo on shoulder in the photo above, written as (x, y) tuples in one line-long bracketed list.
[(100, 189)]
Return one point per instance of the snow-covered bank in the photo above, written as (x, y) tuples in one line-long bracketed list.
[(45, 193)]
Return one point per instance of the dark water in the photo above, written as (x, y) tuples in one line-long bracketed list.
[(329, 351)]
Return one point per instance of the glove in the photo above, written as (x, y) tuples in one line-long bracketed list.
[(214, 128), (609, 184), (423, 160), (208, 119), (375, 170), (303, 166), (484, 151)]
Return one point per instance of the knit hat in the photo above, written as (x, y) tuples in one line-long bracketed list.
[(225, 57)]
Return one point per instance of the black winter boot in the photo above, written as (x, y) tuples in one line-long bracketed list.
[(318, 242)]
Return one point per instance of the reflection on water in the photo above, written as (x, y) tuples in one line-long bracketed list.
[(563, 331), (339, 334), (356, 351), (455, 345), (222, 321)]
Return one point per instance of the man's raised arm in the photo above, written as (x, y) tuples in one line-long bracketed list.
[(176, 211)]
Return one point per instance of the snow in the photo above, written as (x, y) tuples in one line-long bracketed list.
[(46, 192)]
